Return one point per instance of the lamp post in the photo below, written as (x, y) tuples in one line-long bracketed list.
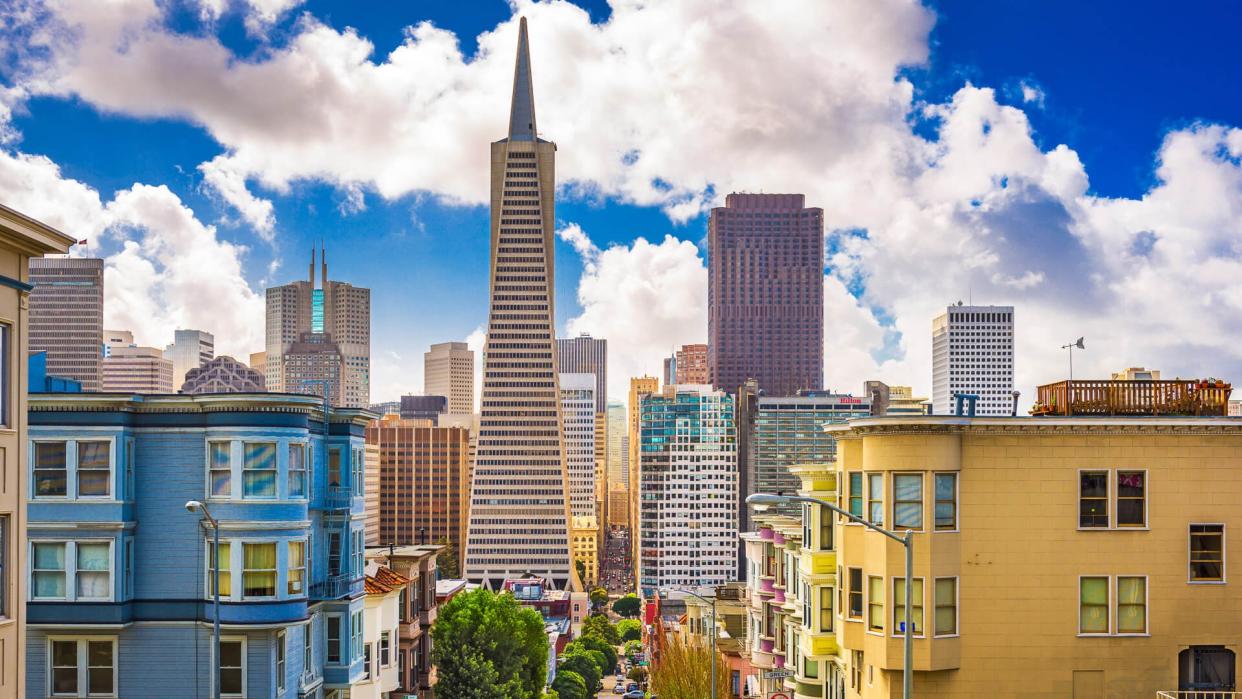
[(907, 675), (192, 506), (711, 602)]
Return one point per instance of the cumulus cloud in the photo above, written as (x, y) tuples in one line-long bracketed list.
[(231, 186)]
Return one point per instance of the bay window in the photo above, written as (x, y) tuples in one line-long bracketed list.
[(82, 667), (297, 568), (220, 469), (51, 469), (71, 570), (908, 500), (259, 470), (297, 470), (258, 570)]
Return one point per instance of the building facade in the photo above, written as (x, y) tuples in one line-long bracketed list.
[(895, 400), (22, 241), (423, 485), (223, 374), (122, 575), (519, 504), (766, 293), (423, 407), (380, 676), (136, 370), (616, 457), (586, 355), (66, 316), (578, 418), (190, 349), (303, 320), (448, 370), (972, 353), (687, 483), (640, 386), (691, 365), (418, 609)]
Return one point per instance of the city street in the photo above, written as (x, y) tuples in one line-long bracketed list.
[(616, 572)]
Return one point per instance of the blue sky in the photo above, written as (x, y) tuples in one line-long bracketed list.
[(1107, 83)]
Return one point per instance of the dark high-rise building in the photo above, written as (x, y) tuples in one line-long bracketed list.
[(66, 317), (586, 355), (423, 407), (766, 294)]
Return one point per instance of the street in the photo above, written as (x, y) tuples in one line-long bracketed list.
[(616, 573)]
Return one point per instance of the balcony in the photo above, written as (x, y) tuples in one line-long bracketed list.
[(1198, 694), (338, 498), (336, 587), (1134, 398)]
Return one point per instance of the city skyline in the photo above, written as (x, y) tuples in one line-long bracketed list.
[(1117, 196)]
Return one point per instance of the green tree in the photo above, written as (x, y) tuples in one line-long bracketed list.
[(630, 630), (633, 648), (637, 674), (446, 560), (569, 685), (599, 597), (581, 568), (628, 607), (600, 627), (487, 646), (585, 666), (598, 644)]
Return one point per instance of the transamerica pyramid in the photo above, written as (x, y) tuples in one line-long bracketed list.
[(519, 517)]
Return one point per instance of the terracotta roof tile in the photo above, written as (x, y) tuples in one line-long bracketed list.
[(390, 577), (375, 587)]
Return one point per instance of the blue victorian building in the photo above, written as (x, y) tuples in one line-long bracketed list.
[(120, 573)]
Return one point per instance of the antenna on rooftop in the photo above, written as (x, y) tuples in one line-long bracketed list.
[(1071, 347)]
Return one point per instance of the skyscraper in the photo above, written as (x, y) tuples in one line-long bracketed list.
[(519, 509), (578, 417), (190, 349), (766, 293), (66, 316), (688, 514), (132, 369), (422, 407), (448, 370), (331, 326), (972, 353), (639, 386), (586, 355), (615, 458), (691, 366)]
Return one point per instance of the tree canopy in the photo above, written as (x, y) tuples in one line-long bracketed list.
[(597, 644), (599, 597), (628, 606), (599, 626), (586, 666), (569, 685), (487, 646), (630, 630)]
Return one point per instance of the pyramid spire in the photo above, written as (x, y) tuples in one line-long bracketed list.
[(522, 110)]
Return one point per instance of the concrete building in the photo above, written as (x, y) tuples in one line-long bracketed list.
[(691, 365), (519, 505), (669, 375), (66, 316), (972, 353), (258, 362), (223, 374), (584, 542), (894, 400), (121, 592), (320, 333), (190, 349), (371, 486), (423, 408), (117, 338), (22, 241), (382, 616), (136, 370), (586, 355), (578, 418), (423, 482), (448, 370), (418, 609), (1136, 373), (615, 456), (640, 386), (766, 293), (618, 506), (688, 520)]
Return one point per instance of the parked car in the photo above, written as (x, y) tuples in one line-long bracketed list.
[(635, 694)]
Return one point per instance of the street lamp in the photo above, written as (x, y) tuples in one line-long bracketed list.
[(193, 506), (711, 602), (907, 676)]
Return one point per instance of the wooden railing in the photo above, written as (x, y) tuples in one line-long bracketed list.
[(1198, 694), (1177, 397)]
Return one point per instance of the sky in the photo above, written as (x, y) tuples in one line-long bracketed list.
[(1080, 161)]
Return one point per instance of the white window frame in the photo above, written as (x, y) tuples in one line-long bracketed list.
[(237, 570), (1224, 553), (862, 617), (356, 641), (82, 664), (281, 660), (867, 605), (6, 378), (957, 607), (234, 460), (276, 576), (308, 646), (128, 562), (862, 495), (1115, 611), (343, 650), (385, 649), (71, 570), (244, 670), (870, 497), (71, 469), (1116, 500), (892, 506), (131, 493), (6, 525), (275, 469), (892, 595), (1109, 606), (957, 507), (290, 567), (306, 469)]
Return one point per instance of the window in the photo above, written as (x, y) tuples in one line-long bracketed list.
[(810, 669), (334, 638), (1131, 500), (1093, 605), (130, 492), (259, 470), (946, 607), (232, 667), (946, 501), (908, 500), (281, 642), (83, 667), (899, 606), (856, 668), (334, 467), (219, 456), (221, 557), (51, 470), (875, 501), (4, 568), (856, 593), (856, 494), (308, 647), (1207, 553), (366, 661), (825, 608), (355, 639), (825, 529), (94, 570), (384, 649), (4, 375), (129, 567), (297, 470), (86, 564), (875, 603), (297, 568), (334, 553), (259, 570), (48, 571), (1131, 604), (1093, 499), (358, 553), (806, 606), (358, 483), (94, 469)]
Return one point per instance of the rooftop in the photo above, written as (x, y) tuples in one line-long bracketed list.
[(1140, 397)]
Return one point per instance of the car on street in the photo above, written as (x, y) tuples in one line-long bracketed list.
[(633, 694)]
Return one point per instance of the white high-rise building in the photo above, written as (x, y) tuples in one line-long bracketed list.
[(615, 456), (688, 518), (448, 370), (972, 353), (578, 415), (190, 349)]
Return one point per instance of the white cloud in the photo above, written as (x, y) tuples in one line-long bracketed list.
[(231, 186), (1032, 94)]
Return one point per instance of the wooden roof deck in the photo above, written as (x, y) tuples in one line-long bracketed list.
[(1202, 397)]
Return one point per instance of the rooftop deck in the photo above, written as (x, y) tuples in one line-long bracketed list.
[(1201, 397)]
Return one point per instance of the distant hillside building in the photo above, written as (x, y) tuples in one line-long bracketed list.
[(223, 375)]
